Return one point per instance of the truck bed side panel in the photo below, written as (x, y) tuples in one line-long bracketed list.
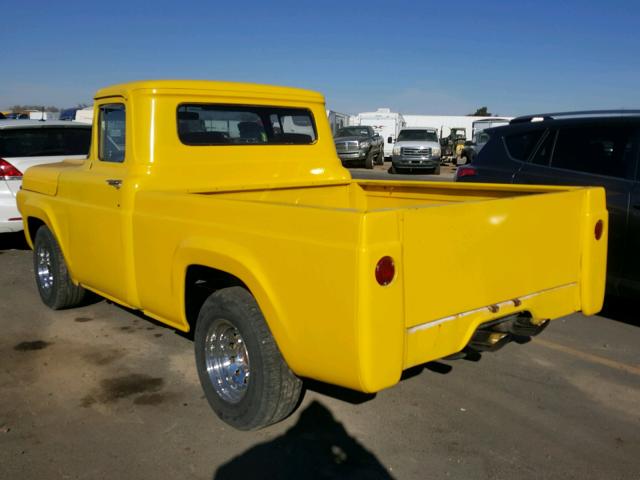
[(299, 263)]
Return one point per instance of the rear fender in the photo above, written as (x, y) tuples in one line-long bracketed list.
[(243, 265)]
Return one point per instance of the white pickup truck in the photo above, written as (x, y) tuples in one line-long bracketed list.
[(416, 149)]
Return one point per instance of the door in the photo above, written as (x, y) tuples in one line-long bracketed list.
[(95, 206), (598, 154)]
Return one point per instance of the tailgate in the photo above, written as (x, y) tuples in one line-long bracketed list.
[(462, 257)]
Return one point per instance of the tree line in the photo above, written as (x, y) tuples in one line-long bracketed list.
[(39, 108)]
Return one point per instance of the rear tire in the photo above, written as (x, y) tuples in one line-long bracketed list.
[(244, 377), (56, 289), (436, 171)]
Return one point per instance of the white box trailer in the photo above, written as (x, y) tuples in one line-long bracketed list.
[(386, 123), (85, 115), (337, 120), (483, 124), (39, 115), (444, 123)]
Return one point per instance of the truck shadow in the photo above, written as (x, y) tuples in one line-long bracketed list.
[(435, 367), (316, 447), (345, 394), (356, 398), (13, 241)]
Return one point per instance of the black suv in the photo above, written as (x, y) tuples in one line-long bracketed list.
[(576, 148)]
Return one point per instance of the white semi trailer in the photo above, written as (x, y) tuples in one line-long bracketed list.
[(444, 123), (337, 120)]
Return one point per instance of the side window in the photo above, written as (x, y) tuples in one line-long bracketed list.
[(111, 141), (601, 150), (543, 154), (520, 145)]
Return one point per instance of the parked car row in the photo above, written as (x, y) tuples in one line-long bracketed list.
[(581, 148), (415, 149)]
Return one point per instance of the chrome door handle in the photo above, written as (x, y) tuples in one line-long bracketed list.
[(115, 183)]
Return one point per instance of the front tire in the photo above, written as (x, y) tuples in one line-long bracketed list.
[(380, 157), (244, 377), (56, 289), (368, 162)]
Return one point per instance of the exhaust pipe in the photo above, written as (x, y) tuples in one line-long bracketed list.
[(494, 335)]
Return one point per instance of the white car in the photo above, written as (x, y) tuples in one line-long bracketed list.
[(24, 143)]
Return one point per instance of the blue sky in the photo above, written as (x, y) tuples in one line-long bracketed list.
[(446, 57)]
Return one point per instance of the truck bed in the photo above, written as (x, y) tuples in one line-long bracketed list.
[(484, 243)]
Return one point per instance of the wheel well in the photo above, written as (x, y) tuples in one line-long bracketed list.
[(200, 282), (33, 225)]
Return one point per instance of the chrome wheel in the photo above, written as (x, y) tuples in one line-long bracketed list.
[(44, 267), (227, 361)]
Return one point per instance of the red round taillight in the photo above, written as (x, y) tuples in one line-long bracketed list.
[(385, 271), (599, 229)]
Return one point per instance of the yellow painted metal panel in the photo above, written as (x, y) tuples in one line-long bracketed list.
[(465, 256)]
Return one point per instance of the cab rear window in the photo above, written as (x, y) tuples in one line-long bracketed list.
[(44, 141), (212, 124)]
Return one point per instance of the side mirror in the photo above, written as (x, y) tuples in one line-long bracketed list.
[(376, 135), (390, 140)]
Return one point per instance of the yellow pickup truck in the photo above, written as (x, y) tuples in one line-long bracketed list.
[(223, 209)]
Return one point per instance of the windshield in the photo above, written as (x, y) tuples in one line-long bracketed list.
[(352, 132), (427, 135)]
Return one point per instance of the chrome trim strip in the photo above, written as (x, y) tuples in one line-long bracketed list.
[(488, 308)]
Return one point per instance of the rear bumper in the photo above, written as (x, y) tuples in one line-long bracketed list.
[(446, 336)]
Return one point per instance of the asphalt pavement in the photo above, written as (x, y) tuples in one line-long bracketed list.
[(102, 392)]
